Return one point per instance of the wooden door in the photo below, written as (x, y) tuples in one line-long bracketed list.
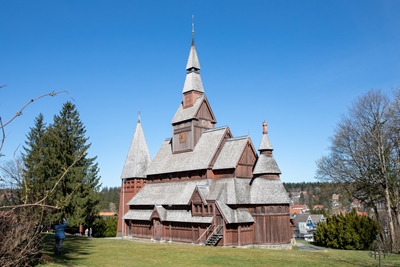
[(157, 229)]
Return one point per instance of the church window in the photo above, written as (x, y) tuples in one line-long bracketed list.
[(196, 208), (201, 208), (271, 210), (211, 209), (279, 209), (206, 208), (254, 210), (262, 210)]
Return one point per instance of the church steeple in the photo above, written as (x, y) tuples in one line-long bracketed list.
[(193, 86), (138, 158), (193, 63)]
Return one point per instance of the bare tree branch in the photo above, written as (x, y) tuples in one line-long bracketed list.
[(19, 113)]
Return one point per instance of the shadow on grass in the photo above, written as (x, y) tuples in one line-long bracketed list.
[(73, 247)]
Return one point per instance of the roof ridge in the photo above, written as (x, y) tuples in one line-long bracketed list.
[(216, 129)]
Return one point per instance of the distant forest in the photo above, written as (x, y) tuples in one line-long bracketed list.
[(109, 198)]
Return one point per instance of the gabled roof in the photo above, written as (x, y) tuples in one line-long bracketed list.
[(203, 191), (241, 215), (231, 152), (138, 158), (315, 218), (176, 193), (266, 165), (184, 114), (198, 159), (231, 191), (138, 215)]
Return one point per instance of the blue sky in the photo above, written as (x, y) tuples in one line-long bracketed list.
[(296, 64)]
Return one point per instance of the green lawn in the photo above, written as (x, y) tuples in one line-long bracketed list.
[(82, 251)]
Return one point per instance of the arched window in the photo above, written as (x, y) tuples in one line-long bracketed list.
[(262, 209), (271, 210), (279, 209)]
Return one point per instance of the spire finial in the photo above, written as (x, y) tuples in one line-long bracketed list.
[(138, 116), (192, 24), (265, 131), (192, 29)]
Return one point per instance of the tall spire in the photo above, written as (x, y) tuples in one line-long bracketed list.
[(138, 158), (193, 80)]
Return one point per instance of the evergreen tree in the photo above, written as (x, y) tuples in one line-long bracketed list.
[(347, 232), (79, 189), (57, 157), (35, 183)]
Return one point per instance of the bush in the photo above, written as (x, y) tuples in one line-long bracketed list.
[(349, 231), (105, 228)]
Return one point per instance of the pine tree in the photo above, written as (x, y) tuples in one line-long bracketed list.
[(79, 189), (57, 157), (35, 183)]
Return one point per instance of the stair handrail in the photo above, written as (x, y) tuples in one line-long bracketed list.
[(216, 229), (208, 228)]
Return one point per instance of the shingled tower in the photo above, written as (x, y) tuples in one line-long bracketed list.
[(194, 115), (132, 177)]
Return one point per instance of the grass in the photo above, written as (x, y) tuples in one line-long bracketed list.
[(82, 251)]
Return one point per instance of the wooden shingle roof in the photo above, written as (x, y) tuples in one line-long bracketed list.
[(138, 158), (198, 159), (231, 152), (266, 165)]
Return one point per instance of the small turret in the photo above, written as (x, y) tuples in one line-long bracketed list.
[(266, 165)]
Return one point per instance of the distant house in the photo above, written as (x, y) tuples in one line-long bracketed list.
[(298, 209), (306, 224), (356, 204), (318, 207), (107, 214), (335, 200)]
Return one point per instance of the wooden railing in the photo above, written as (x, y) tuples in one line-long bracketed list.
[(213, 229)]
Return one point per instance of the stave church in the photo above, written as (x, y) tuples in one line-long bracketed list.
[(204, 186)]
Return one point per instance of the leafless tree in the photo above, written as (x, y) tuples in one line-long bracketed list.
[(20, 220), (364, 158)]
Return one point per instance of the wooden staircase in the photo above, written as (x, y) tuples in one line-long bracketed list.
[(213, 240), (214, 237)]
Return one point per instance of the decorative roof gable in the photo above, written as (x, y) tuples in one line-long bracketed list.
[(231, 153), (198, 159)]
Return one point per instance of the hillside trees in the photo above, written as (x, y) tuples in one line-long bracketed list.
[(364, 158)]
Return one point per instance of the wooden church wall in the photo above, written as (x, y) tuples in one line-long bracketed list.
[(141, 229), (238, 235), (272, 229), (128, 191), (246, 163)]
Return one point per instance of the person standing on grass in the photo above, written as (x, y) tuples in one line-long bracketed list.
[(59, 235), (90, 232)]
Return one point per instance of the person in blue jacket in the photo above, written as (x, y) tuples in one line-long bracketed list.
[(60, 235)]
